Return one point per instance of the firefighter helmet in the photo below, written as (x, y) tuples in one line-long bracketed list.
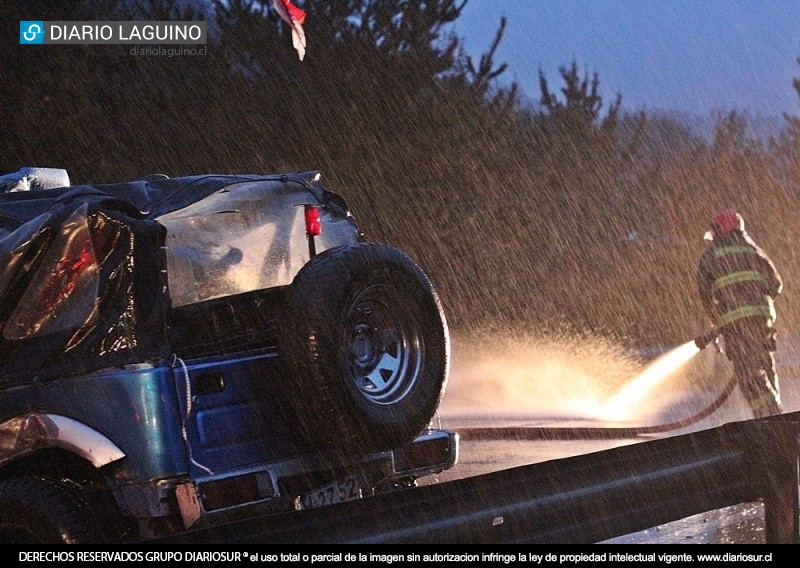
[(726, 222)]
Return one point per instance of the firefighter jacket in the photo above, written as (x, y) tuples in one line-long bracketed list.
[(737, 280)]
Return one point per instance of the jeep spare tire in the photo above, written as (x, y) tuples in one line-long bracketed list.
[(364, 347)]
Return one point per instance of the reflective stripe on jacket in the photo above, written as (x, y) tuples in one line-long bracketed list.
[(737, 280)]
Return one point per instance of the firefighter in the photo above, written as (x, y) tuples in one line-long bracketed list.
[(738, 283)]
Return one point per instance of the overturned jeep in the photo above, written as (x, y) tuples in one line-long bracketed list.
[(180, 353)]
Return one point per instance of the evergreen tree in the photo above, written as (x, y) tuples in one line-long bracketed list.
[(787, 147)]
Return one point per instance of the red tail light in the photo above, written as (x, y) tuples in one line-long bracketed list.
[(63, 292), (313, 224)]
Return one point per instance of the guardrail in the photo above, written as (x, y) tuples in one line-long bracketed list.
[(582, 499)]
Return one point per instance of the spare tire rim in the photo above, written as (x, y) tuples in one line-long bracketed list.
[(385, 346)]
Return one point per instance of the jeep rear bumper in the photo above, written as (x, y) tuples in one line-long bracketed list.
[(302, 482)]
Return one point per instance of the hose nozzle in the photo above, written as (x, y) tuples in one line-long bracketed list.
[(702, 341)]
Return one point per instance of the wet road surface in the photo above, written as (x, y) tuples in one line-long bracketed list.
[(533, 388)]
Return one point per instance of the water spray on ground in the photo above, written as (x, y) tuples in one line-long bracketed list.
[(555, 378)]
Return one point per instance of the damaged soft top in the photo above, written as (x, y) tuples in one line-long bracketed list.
[(31, 191), (89, 273)]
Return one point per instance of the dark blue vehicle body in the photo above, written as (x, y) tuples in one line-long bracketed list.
[(136, 403)]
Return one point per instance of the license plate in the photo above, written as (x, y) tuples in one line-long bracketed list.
[(337, 492)]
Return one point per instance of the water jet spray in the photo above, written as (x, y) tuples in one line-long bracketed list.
[(659, 370)]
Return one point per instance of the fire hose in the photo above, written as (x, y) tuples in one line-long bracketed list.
[(570, 433)]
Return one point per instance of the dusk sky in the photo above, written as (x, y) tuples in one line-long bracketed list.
[(696, 56)]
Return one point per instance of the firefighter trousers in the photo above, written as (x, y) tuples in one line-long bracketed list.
[(750, 345)]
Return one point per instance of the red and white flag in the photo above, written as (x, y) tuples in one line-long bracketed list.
[(295, 17)]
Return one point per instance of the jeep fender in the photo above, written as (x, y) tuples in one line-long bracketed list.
[(26, 434)]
